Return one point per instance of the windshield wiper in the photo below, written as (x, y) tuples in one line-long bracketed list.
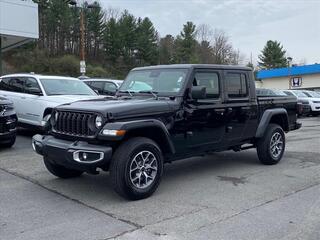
[(154, 93), (126, 91)]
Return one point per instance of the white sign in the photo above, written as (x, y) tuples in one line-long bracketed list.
[(296, 82), (82, 67)]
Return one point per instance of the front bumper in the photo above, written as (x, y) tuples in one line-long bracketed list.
[(7, 127), (66, 153)]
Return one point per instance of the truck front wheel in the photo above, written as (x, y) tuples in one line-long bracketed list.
[(271, 146), (60, 171), (136, 168)]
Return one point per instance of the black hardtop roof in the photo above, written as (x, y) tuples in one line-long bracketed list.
[(189, 66)]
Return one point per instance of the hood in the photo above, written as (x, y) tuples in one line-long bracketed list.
[(4, 101), (71, 98), (122, 107)]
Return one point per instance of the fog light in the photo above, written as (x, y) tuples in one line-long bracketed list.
[(84, 156), (33, 145)]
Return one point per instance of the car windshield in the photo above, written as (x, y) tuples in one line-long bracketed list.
[(154, 80), (66, 87)]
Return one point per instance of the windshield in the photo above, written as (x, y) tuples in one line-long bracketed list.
[(155, 80), (300, 94), (66, 87)]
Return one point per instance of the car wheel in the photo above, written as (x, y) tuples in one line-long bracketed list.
[(136, 168), (271, 146), (60, 171), (9, 143)]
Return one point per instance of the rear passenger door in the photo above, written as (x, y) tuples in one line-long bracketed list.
[(240, 110)]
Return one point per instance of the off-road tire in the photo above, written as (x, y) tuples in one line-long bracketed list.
[(120, 167), (264, 145)]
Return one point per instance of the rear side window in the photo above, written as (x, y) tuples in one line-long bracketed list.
[(236, 85)]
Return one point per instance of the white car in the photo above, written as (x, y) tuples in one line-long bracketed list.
[(103, 86), (314, 102), (34, 96)]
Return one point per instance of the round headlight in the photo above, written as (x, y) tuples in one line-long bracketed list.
[(98, 121)]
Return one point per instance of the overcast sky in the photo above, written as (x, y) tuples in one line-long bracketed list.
[(248, 23)]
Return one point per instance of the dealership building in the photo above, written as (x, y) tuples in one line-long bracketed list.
[(18, 24), (295, 77)]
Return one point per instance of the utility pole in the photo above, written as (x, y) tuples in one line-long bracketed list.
[(82, 43), (82, 33)]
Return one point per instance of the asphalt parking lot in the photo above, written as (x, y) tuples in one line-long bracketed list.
[(221, 196)]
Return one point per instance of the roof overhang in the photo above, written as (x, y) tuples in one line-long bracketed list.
[(18, 23)]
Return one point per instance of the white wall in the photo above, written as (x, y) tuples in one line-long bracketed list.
[(308, 81), (18, 21)]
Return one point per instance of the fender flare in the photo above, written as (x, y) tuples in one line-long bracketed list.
[(129, 126), (266, 117)]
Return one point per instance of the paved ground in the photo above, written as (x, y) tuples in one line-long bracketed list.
[(221, 196)]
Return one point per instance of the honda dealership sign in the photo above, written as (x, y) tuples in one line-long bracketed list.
[(18, 22)]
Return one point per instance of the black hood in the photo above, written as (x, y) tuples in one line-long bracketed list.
[(122, 107)]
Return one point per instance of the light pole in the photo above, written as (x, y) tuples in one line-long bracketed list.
[(82, 33), (289, 60)]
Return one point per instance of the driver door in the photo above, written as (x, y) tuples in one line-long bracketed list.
[(204, 124)]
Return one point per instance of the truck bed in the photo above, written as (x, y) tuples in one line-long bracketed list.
[(287, 102)]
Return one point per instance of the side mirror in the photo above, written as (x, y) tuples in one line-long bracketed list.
[(199, 92), (35, 91)]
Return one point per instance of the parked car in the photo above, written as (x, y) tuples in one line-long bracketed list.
[(314, 103), (8, 121), (184, 111), (34, 96), (269, 92), (104, 86)]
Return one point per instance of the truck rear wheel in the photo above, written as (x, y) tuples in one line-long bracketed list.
[(60, 171), (136, 168), (271, 146)]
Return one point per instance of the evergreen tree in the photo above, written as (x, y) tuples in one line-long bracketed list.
[(147, 43), (166, 50), (186, 43), (273, 55)]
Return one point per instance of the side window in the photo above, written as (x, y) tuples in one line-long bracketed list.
[(110, 88), (16, 84), (210, 80), (97, 86), (31, 86), (4, 84), (236, 85)]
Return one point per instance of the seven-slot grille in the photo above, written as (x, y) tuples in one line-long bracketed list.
[(74, 123)]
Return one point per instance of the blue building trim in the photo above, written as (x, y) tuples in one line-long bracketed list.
[(284, 72)]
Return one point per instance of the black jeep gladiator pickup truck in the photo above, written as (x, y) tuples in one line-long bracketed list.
[(161, 114)]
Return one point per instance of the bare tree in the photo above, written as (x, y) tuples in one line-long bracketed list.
[(204, 33), (111, 13)]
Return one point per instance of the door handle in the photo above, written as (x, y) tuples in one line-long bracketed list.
[(23, 97)]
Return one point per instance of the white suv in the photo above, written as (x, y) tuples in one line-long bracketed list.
[(34, 96), (314, 101)]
